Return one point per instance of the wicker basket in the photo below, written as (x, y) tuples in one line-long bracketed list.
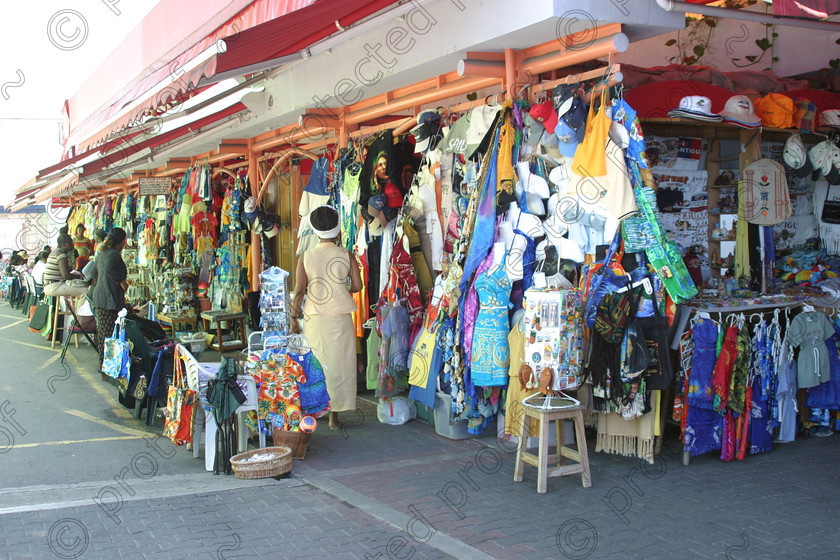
[(298, 441), (280, 464)]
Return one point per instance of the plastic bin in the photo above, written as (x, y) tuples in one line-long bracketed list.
[(425, 414), (444, 426)]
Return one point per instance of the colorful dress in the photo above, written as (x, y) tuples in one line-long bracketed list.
[(491, 351)]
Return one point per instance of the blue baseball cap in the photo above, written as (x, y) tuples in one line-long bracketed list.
[(567, 138)]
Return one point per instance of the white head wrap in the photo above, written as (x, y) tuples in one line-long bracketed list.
[(328, 234)]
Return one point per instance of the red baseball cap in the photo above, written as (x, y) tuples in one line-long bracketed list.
[(545, 114)]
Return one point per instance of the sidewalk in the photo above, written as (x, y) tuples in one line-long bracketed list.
[(377, 491)]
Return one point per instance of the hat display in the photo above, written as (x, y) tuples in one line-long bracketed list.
[(426, 131), (545, 114), (563, 97), (568, 138), (833, 176), (575, 117), (804, 114), (822, 157), (831, 117), (698, 107), (776, 110), (795, 156), (533, 130), (739, 111)]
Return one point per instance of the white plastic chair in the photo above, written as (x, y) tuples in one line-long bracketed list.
[(198, 375)]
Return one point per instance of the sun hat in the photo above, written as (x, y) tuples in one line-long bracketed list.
[(739, 111), (804, 114), (776, 110), (831, 117), (698, 107), (795, 156)]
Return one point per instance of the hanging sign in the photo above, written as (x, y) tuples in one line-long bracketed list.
[(151, 186)]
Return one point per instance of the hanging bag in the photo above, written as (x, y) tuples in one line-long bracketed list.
[(603, 278), (116, 353), (831, 210), (180, 405), (39, 317), (659, 374), (635, 356)]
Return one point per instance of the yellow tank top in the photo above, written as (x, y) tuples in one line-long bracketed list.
[(327, 270)]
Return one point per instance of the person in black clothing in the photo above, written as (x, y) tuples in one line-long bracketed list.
[(109, 274)]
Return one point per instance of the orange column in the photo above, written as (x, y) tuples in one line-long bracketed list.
[(256, 246)]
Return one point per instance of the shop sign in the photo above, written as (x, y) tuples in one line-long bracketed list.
[(151, 186)]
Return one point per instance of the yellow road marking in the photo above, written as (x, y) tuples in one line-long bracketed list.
[(47, 362), (101, 422), (10, 316), (47, 348), (72, 441), (13, 324)]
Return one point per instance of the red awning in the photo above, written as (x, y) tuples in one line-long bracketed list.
[(103, 148), (91, 121), (159, 140), (294, 32)]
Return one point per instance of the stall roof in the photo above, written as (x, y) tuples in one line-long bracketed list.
[(244, 44)]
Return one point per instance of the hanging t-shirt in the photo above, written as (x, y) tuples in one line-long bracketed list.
[(613, 191), (318, 183), (809, 331), (766, 198), (204, 231), (426, 194)]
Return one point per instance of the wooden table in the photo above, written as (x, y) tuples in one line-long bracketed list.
[(176, 323), (236, 322)]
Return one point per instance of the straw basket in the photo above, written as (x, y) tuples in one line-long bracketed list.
[(297, 441), (280, 464)]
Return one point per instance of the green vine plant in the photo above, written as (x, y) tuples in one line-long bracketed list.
[(691, 50), (834, 63), (766, 44), (693, 45)]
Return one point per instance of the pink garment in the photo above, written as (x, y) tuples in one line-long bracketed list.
[(471, 305)]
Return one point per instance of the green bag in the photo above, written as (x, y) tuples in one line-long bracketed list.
[(670, 267), (40, 317)]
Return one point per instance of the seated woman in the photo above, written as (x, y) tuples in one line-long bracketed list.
[(59, 277), (39, 267)]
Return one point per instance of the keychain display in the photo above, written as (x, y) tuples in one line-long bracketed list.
[(554, 337), (273, 302)]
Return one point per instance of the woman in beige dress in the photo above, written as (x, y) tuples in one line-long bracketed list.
[(327, 274)]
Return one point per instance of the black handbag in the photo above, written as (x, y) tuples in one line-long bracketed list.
[(637, 355), (831, 210), (660, 373)]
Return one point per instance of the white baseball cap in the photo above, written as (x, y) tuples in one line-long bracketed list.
[(739, 110), (697, 107)]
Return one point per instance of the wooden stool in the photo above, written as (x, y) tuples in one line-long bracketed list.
[(60, 301), (219, 317), (541, 461)]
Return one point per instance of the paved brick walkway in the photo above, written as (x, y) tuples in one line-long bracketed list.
[(378, 492)]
